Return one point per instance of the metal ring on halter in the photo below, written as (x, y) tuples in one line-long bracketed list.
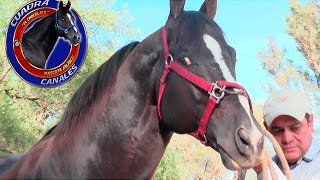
[(217, 92), (168, 58), (203, 138)]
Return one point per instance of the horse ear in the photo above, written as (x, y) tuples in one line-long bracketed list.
[(61, 5), (176, 7), (68, 5), (209, 7)]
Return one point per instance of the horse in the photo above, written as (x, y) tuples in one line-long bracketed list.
[(179, 79), (39, 41)]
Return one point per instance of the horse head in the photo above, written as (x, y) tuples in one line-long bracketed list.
[(65, 23), (197, 93)]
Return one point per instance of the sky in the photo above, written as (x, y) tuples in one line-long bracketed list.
[(246, 23)]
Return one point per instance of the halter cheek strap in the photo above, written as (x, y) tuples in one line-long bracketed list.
[(216, 90), (59, 28)]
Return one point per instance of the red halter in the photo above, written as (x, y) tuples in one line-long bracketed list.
[(216, 90)]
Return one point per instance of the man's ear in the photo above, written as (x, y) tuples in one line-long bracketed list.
[(310, 120)]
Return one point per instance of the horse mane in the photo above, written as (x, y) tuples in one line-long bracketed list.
[(35, 27), (91, 88)]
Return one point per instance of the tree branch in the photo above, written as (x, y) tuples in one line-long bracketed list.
[(43, 109), (6, 150), (33, 99), (4, 73)]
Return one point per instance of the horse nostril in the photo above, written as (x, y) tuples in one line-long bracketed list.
[(244, 137), (243, 141)]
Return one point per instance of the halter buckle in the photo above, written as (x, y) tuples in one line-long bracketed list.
[(217, 92), (168, 59)]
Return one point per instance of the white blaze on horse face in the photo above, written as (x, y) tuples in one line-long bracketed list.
[(70, 19), (215, 49)]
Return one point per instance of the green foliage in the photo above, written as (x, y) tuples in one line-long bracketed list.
[(17, 133), (303, 26), (171, 166)]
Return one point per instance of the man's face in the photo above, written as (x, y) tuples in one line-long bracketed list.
[(293, 136)]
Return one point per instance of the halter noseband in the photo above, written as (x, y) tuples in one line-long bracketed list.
[(216, 90), (59, 28)]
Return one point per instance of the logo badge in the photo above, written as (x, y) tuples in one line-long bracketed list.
[(46, 42)]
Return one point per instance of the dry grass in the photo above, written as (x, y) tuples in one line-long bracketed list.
[(199, 161)]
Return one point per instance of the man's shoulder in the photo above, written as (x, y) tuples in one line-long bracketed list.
[(276, 160), (313, 151)]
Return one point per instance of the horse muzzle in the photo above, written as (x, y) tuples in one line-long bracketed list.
[(250, 146)]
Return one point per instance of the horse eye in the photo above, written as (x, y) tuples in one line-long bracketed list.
[(185, 61)]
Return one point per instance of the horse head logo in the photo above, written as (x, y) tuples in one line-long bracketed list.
[(39, 41), (46, 42), (65, 23)]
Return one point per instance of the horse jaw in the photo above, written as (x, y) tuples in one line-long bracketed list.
[(227, 161)]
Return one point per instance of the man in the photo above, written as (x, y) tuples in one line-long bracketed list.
[(288, 120)]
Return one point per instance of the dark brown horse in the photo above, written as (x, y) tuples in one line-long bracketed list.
[(179, 79)]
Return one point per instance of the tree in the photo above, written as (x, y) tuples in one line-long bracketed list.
[(303, 25), (26, 112)]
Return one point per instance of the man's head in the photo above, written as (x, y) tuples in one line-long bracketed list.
[(286, 117)]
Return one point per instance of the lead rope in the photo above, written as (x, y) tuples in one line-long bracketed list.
[(268, 162), (265, 161)]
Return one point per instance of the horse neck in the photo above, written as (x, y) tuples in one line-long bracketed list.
[(125, 119), (117, 152), (41, 37)]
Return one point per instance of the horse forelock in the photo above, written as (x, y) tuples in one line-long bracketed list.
[(191, 25), (94, 87), (197, 27)]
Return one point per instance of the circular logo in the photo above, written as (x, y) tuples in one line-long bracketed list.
[(46, 42)]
